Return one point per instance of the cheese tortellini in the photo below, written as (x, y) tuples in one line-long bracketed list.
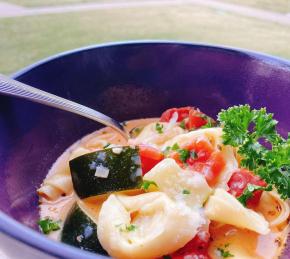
[(149, 135), (148, 225), (180, 185), (225, 208)]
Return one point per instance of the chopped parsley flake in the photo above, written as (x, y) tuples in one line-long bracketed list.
[(127, 228), (159, 127), (166, 150), (107, 145), (131, 227), (185, 191), (184, 154), (209, 124), (175, 147), (223, 252), (146, 184), (249, 190), (182, 125), (47, 225)]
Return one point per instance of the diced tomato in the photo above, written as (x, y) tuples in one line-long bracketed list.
[(183, 112), (150, 157), (196, 248), (176, 157), (203, 159), (196, 119), (208, 162), (239, 181), (214, 167), (202, 148)]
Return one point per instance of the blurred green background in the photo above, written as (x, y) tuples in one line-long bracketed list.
[(26, 39)]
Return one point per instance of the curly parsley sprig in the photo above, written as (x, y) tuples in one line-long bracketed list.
[(262, 149)]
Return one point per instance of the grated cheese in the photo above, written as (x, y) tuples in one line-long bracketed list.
[(102, 171)]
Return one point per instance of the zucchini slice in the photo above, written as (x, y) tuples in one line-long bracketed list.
[(104, 171), (80, 230)]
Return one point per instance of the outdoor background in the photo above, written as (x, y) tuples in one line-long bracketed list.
[(31, 30)]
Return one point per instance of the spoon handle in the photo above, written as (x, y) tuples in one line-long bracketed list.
[(15, 88)]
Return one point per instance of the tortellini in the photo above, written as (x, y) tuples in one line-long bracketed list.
[(148, 225), (225, 208), (180, 185), (149, 135)]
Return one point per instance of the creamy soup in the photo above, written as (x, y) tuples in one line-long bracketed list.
[(187, 205)]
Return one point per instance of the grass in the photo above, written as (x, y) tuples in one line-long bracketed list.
[(281, 6), (41, 3), (27, 39)]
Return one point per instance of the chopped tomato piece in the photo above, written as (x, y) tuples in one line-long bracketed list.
[(183, 112), (239, 181), (150, 157), (202, 159), (176, 157), (214, 167), (205, 160), (202, 149), (196, 248), (193, 116), (196, 119)]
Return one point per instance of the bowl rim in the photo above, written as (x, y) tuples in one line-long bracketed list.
[(32, 238), (248, 52)]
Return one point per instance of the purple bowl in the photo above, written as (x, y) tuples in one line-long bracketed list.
[(125, 81)]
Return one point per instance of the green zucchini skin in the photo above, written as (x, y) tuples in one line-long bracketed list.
[(124, 172), (80, 231)]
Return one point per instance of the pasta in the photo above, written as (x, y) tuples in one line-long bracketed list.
[(172, 180), (175, 189), (223, 207), (158, 221)]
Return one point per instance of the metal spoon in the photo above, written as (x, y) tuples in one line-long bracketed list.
[(15, 88)]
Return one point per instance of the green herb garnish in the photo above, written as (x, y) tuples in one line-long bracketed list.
[(135, 131), (159, 127), (249, 190), (166, 151), (146, 184), (47, 225), (131, 227), (209, 124), (184, 154), (247, 129), (127, 228), (224, 253), (182, 125), (185, 191), (107, 145), (175, 147)]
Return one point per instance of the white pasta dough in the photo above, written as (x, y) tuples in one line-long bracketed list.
[(161, 226), (225, 208), (149, 135), (173, 181)]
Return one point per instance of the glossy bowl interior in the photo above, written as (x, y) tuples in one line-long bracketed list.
[(125, 81)]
